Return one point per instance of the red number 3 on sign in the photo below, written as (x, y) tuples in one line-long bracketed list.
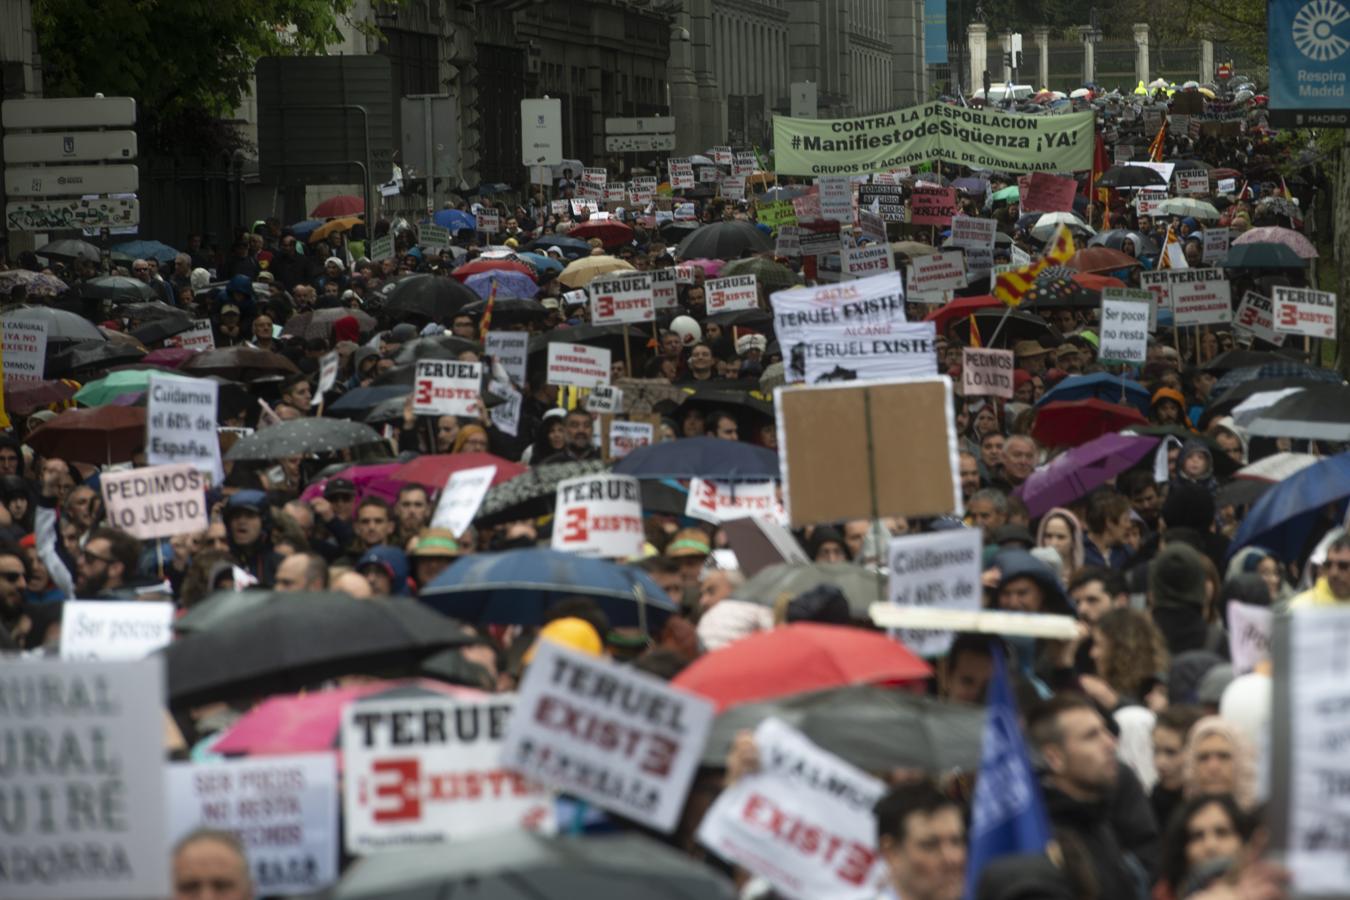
[(575, 528)]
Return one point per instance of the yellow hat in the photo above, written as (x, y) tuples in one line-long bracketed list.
[(571, 632)]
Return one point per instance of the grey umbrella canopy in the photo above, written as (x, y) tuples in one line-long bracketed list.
[(724, 240), (301, 436), (116, 287), (519, 865), (533, 493), (70, 249), (861, 586), (875, 728), (61, 325)]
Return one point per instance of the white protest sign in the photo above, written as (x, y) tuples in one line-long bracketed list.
[(743, 164), (1306, 312), (1192, 183), (1256, 317), (935, 272), (447, 387), (622, 297), (1249, 629), (433, 236), (113, 630), (423, 770), (859, 262), (615, 192), (891, 350), (328, 369), (972, 233), (382, 248), (1160, 286), (1124, 326), (489, 221), (1314, 721), (619, 738), (723, 156), (625, 437), (872, 227), (665, 287), (687, 274), (511, 349), (25, 349), (836, 197), (577, 365), (579, 297), (284, 810), (987, 373), (803, 820), (604, 398), (1216, 244), (463, 494), (732, 293), (84, 820), (723, 501), (599, 515), (939, 570), (180, 423), (1200, 297), (506, 415), (681, 175), (1227, 185), (732, 188), (198, 337), (789, 241), (1147, 201), (156, 501)]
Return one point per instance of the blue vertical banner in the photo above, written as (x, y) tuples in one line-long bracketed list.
[(934, 32), (1309, 49)]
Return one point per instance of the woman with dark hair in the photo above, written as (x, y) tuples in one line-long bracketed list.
[(1201, 845), (17, 496), (827, 544), (549, 438)]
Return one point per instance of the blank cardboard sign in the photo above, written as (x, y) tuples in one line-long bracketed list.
[(863, 449)]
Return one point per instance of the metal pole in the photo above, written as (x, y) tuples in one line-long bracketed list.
[(428, 124)]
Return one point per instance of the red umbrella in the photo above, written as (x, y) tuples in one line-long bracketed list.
[(503, 264), (610, 232), (99, 436), (1097, 282), (1068, 423), (960, 308), (798, 658), (309, 723), (341, 205), (434, 470), (1101, 259), (24, 397)]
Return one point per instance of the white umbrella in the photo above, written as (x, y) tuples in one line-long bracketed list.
[(1188, 206), (1048, 223), (1276, 467), (1248, 410), (1078, 94), (1157, 83)]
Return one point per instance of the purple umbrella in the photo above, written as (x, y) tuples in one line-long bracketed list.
[(368, 480), (976, 187), (509, 284), (1083, 469)]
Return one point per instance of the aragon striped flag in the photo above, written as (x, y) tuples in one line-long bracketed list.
[(1011, 286)]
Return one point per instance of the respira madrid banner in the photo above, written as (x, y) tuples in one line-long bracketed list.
[(933, 131)]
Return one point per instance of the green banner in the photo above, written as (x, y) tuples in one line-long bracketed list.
[(986, 139)]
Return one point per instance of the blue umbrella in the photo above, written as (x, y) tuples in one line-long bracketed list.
[(570, 247), (1282, 521), (303, 230), (1102, 386), (516, 587), (701, 457), (509, 284), (358, 402), (145, 250), (455, 220), (542, 263)]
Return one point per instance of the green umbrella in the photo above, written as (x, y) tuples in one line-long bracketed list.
[(861, 587), (1008, 193), (769, 274), (125, 381), (1262, 256)]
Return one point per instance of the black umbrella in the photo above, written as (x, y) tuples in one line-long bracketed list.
[(732, 396), (60, 325), (610, 336), (1021, 326), (1056, 288), (297, 437), (678, 231), (439, 346), (1243, 359), (750, 318), (288, 646), (69, 248), (523, 865), (116, 287), (159, 329), (1130, 177), (877, 729), (390, 410), (319, 323), (570, 247), (724, 240), (150, 311), (1319, 412), (358, 402), (239, 363), (531, 494), (508, 310), (1262, 256), (92, 354), (433, 297)]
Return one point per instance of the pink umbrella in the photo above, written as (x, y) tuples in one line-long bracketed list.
[(368, 480), (173, 357), (710, 267), (433, 470), (1274, 234), (309, 723)]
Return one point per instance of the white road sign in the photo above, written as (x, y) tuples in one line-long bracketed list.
[(639, 143), (69, 112), (70, 146), (67, 181)]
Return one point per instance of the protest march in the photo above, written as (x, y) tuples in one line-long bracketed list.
[(948, 502)]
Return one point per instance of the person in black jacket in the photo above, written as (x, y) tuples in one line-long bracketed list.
[(248, 523), (1089, 793)]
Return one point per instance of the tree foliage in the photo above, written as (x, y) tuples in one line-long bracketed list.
[(187, 62)]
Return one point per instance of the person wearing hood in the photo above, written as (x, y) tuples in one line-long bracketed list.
[(1196, 465), (1177, 595), (1252, 566), (1168, 407), (1219, 759), (248, 527), (1231, 438), (238, 292), (386, 568)]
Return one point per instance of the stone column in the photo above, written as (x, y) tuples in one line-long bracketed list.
[(1041, 35), (977, 38), (683, 87), (1141, 51), (904, 30), (709, 125), (1206, 60), (1089, 54)]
